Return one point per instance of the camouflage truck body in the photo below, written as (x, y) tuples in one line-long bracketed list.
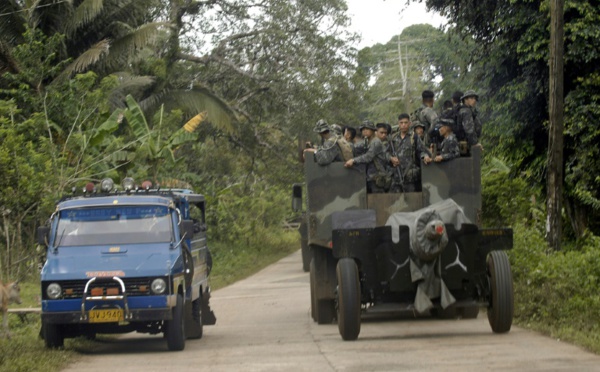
[(351, 241)]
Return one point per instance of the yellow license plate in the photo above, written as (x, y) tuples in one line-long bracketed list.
[(106, 315)]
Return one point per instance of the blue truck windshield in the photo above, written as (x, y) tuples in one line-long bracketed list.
[(114, 225)]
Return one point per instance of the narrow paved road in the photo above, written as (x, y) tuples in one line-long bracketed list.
[(264, 324)]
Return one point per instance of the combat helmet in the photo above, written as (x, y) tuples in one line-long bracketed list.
[(469, 93), (336, 129), (321, 126), (367, 124)]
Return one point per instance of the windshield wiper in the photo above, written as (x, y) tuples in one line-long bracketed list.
[(60, 238)]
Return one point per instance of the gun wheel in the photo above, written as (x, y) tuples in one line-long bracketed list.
[(348, 299), (501, 306)]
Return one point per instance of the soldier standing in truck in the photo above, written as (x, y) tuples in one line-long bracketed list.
[(410, 150), (334, 148), (375, 160)]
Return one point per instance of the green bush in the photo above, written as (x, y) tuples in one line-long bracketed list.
[(557, 292)]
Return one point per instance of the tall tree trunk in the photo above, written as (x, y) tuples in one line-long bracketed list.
[(555, 131)]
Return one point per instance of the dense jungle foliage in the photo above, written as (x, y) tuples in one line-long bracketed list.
[(103, 88)]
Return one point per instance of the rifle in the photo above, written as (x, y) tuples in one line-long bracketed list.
[(398, 170)]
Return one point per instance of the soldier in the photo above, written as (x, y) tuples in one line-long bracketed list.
[(468, 120), (449, 146), (349, 134), (456, 96), (330, 150), (425, 114), (448, 116), (337, 129), (378, 180), (408, 151), (419, 129)]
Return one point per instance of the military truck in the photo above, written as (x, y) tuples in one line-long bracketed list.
[(417, 253), (134, 259)]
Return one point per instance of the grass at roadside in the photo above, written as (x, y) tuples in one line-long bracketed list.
[(231, 264), (25, 351)]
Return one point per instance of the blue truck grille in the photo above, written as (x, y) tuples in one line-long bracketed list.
[(74, 288)]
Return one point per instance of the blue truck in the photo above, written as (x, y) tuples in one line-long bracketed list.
[(133, 259)]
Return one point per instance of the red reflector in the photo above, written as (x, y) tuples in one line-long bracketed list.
[(97, 291), (330, 244), (112, 291), (89, 187)]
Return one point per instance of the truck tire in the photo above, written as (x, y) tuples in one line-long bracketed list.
[(348, 299), (174, 329), (304, 248), (306, 256), (313, 293), (325, 311), (193, 320), (53, 335), (501, 305)]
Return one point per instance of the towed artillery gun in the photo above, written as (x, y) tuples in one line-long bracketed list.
[(405, 253)]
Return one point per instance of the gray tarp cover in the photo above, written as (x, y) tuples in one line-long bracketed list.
[(427, 272)]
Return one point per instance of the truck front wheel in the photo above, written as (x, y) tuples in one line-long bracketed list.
[(348, 299), (174, 330), (53, 335)]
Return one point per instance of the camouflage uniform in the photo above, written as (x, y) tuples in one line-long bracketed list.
[(468, 117), (449, 148), (329, 151), (447, 117), (409, 151), (428, 117), (376, 161)]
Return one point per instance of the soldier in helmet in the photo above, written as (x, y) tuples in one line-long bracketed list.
[(329, 151), (337, 129), (468, 119), (418, 128), (378, 180), (409, 150), (425, 114), (449, 147)]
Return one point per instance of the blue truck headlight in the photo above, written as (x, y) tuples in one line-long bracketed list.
[(158, 286), (54, 291)]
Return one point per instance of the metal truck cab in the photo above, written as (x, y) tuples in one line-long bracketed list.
[(127, 261)]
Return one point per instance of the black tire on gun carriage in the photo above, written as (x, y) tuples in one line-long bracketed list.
[(501, 304), (348, 299)]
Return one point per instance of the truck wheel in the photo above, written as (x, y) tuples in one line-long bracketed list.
[(348, 299), (174, 330), (325, 311), (306, 256), (501, 306), (305, 250), (313, 292), (53, 335), (193, 320)]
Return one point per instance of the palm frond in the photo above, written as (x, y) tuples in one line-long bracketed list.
[(12, 24), (201, 99), (87, 59), (87, 11), (193, 123), (129, 84), (123, 48)]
